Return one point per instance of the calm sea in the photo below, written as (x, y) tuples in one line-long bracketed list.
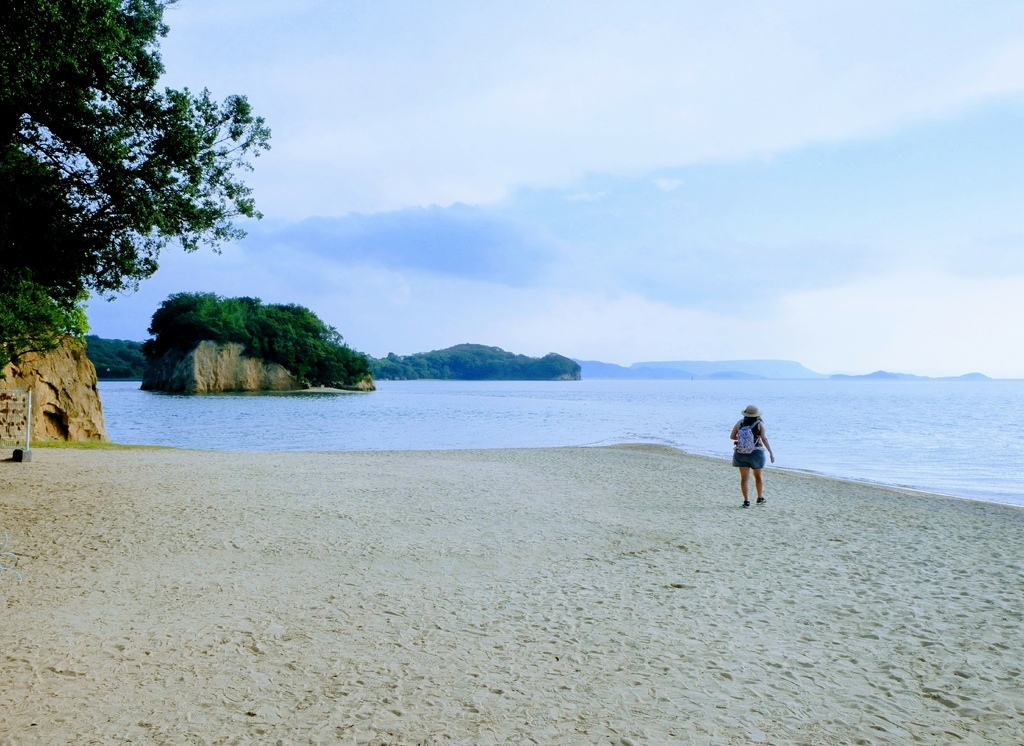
[(951, 437)]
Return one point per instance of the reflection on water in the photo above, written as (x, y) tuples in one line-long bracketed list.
[(954, 437)]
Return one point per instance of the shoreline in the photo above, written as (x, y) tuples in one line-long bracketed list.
[(555, 595), (960, 463), (990, 500), (769, 469)]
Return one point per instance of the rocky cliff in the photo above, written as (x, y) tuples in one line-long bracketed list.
[(212, 367), (65, 400)]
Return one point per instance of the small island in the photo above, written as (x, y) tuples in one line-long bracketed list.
[(203, 343), (474, 362)]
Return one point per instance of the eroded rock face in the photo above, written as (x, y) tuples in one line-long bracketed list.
[(212, 367), (364, 384), (65, 400)]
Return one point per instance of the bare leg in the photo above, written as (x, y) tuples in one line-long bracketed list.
[(744, 477), (758, 484)]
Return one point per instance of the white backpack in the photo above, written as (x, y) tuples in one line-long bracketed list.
[(746, 442)]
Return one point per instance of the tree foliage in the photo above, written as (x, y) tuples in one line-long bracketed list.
[(115, 358), (100, 168), (470, 362), (289, 335), (32, 321)]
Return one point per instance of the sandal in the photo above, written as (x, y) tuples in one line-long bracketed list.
[(761, 501), (746, 504)]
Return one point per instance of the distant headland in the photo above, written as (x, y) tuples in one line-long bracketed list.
[(699, 369), (474, 362)]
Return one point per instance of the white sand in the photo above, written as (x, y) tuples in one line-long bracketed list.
[(569, 596)]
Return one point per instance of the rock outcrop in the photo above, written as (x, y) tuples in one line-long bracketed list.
[(65, 400), (212, 368), (364, 384)]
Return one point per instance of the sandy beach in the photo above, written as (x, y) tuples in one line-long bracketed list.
[(552, 596)]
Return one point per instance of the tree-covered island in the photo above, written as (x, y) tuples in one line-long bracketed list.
[(290, 335), (473, 362)]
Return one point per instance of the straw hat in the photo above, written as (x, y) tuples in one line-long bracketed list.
[(751, 411)]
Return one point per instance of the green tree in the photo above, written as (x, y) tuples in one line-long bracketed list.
[(100, 168), (33, 321)]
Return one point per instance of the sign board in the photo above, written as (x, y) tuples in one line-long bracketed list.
[(15, 418)]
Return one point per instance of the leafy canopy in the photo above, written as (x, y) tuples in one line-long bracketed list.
[(100, 168), (31, 321), (289, 335)]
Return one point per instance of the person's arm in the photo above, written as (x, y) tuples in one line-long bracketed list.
[(767, 445), (735, 429)]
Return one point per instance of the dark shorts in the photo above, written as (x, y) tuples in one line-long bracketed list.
[(754, 460)]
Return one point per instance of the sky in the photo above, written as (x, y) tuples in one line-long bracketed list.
[(836, 183)]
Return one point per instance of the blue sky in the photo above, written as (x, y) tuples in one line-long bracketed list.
[(836, 183)]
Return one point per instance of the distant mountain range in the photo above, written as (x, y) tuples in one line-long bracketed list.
[(699, 369), (737, 370), (883, 375)]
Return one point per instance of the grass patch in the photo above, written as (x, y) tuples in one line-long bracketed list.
[(94, 445)]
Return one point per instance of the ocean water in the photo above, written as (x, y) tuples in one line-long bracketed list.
[(951, 437)]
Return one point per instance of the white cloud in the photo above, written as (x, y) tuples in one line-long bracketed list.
[(928, 323), (811, 194), (459, 241), (387, 106), (923, 322), (668, 185), (586, 196), (616, 328)]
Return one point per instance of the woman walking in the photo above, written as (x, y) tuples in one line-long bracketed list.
[(749, 445)]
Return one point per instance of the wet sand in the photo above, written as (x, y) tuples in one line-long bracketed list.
[(554, 596)]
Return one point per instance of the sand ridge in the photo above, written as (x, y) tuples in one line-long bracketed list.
[(570, 595)]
